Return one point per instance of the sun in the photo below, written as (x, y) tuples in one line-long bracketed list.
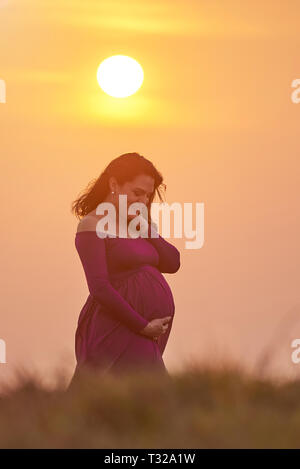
[(120, 76)]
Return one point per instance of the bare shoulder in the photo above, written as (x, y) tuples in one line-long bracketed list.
[(87, 223)]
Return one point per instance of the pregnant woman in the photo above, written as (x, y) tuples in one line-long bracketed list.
[(126, 320)]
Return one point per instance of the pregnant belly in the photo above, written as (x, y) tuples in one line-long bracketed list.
[(146, 290), (99, 337)]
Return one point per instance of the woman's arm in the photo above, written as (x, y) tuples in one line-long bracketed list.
[(169, 256), (92, 253)]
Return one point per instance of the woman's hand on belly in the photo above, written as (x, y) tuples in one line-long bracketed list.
[(156, 327)]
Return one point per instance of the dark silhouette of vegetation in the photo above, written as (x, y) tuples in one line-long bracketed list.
[(201, 407)]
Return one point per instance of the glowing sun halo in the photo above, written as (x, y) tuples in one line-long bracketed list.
[(120, 76)]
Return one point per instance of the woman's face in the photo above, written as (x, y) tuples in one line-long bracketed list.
[(138, 190)]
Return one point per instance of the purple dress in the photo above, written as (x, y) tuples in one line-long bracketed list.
[(127, 290)]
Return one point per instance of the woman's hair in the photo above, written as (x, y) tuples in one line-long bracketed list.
[(124, 168)]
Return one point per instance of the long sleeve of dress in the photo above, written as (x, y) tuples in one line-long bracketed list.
[(92, 253), (169, 256)]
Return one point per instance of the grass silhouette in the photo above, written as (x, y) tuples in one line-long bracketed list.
[(200, 407)]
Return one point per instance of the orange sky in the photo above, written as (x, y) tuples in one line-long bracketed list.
[(215, 116)]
